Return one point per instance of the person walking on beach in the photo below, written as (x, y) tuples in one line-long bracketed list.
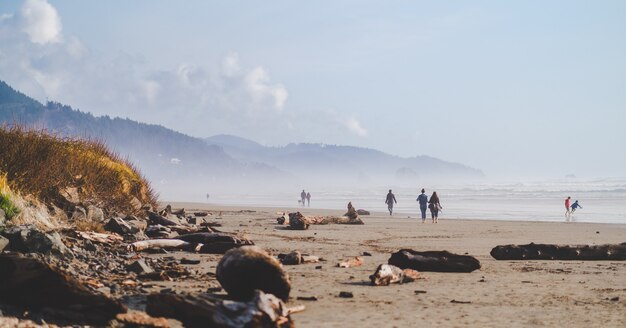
[(308, 199), (434, 206), (574, 207), (302, 197), (389, 201), (423, 201), (567, 207)]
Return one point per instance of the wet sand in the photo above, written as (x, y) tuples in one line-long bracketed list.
[(501, 293)]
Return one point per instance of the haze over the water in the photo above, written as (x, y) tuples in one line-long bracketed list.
[(524, 89)]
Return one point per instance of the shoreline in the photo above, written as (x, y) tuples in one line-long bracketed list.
[(329, 211)]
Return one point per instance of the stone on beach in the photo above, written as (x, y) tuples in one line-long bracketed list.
[(243, 270), (32, 285)]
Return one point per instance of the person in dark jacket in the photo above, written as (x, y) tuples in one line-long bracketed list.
[(390, 200), (434, 206), (423, 201), (575, 206)]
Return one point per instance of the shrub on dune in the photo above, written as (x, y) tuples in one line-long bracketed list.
[(67, 171)]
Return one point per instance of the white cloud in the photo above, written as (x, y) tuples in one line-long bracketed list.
[(355, 127), (192, 98), (41, 22), (230, 65), (257, 83)]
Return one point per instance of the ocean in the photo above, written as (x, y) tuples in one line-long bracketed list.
[(603, 200)]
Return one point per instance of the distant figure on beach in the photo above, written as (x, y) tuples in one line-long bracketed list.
[(207, 197), (423, 201), (308, 199), (434, 206), (390, 200), (567, 207), (303, 197), (575, 206)]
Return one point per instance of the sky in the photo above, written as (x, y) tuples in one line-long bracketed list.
[(526, 89)]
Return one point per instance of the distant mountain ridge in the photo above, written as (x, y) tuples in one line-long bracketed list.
[(341, 162), (179, 164)]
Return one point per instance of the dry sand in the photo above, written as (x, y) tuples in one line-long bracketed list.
[(501, 293)]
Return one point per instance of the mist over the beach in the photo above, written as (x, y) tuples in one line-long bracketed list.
[(260, 163)]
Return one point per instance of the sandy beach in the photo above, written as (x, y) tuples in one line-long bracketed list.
[(501, 293)]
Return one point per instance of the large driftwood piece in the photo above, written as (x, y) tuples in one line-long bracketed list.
[(437, 261), (168, 244), (390, 274), (297, 221), (262, 310), (215, 242), (608, 252), (32, 285), (159, 219), (243, 270)]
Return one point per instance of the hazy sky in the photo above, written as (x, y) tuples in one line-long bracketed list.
[(526, 88)]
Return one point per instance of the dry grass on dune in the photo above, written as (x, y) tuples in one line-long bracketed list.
[(43, 165)]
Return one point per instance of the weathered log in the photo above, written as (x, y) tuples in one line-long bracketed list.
[(159, 219), (362, 212), (297, 221), (351, 262), (295, 258), (243, 270), (215, 242), (437, 261), (103, 238), (32, 285), (390, 274), (169, 244), (532, 251), (343, 220), (203, 310)]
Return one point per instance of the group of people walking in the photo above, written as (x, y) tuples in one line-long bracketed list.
[(432, 204), (305, 196)]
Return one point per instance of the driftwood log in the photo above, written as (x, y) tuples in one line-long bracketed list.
[(215, 242), (32, 285), (608, 252), (243, 270), (297, 221), (155, 218), (390, 274), (351, 262), (167, 244), (303, 222), (295, 258), (262, 310), (201, 242), (437, 261)]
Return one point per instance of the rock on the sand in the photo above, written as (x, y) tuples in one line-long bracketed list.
[(243, 270)]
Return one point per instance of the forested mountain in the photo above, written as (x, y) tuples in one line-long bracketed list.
[(180, 165), (166, 157)]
